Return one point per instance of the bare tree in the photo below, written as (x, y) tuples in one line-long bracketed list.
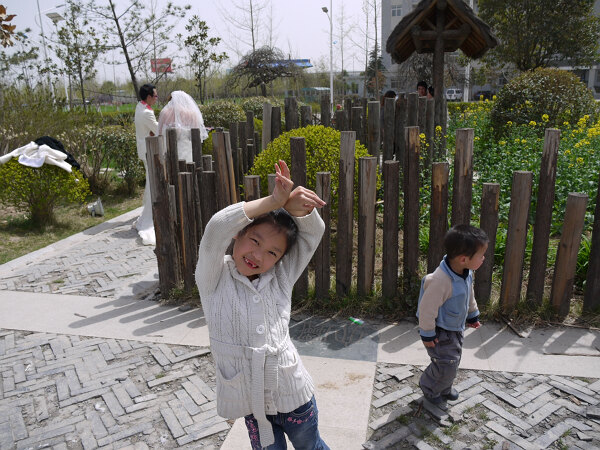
[(344, 29), (245, 18)]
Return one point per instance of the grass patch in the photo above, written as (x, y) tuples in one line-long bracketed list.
[(18, 236)]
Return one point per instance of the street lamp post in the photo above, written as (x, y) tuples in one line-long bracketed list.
[(44, 38), (55, 18), (329, 13)]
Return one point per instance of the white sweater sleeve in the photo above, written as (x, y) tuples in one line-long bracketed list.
[(219, 232), (310, 232)]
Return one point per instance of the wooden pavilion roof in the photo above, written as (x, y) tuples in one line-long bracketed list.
[(463, 29)]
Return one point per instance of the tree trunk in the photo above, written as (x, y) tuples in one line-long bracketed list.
[(124, 47)]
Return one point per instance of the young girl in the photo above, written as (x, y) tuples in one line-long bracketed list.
[(246, 298)]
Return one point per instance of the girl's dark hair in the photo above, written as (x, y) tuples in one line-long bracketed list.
[(464, 240), (282, 221)]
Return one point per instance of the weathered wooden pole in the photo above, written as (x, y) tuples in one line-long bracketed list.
[(197, 185), (591, 298), (291, 113), (187, 223), (389, 107), (348, 107), (250, 153), (196, 147), (343, 260), (271, 182), (516, 239), (367, 181), (488, 222), (410, 238), (209, 196), (323, 254), (432, 154), (364, 104), (251, 187), (399, 126), (250, 125), (341, 121), (207, 163), (422, 114), (242, 139), (222, 170), (566, 257), (357, 122), (305, 115), (266, 130), (412, 110), (462, 187), (374, 129), (391, 191), (233, 137), (325, 111), (275, 122), (438, 222), (543, 218), (298, 173)]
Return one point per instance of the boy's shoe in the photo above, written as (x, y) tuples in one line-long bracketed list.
[(452, 395), (434, 400)]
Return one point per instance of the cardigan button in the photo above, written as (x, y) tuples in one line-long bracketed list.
[(260, 329), (256, 299)]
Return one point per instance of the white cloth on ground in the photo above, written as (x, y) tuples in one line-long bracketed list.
[(33, 155)]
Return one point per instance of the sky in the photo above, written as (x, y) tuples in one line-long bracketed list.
[(300, 29)]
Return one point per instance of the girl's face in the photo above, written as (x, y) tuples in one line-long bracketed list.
[(258, 250)]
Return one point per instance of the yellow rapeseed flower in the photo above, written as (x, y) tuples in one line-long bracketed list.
[(494, 97), (580, 161), (523, 141), (509, 123), (567, 152), (533, 123), (438, 129), (502, 142), (545, 117)]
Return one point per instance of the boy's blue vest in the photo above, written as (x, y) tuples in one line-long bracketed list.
[(453, 313)]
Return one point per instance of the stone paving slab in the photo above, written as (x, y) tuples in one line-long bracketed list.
[(492, 412), (65, 390)]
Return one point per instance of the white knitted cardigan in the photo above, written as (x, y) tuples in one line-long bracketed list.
[(258, 368)]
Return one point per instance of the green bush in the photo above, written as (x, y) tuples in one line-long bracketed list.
[(207, 144), (322, 155), (255, 104), (221, 113), (39, 190), (548, 97), (122, 147)]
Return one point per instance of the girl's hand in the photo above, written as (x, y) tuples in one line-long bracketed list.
[(302, 201), (283, 183)]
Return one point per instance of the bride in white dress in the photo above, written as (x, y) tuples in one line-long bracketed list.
[(182, 113)]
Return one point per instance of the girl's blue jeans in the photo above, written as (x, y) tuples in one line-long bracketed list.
[(300, 425)]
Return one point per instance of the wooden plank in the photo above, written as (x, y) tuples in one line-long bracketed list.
[(196, 147), (187, 223), (230, 170), (325, 111), (251, 187), (516, 239), (488, 222), (275, 122), (410, 236), (438, 222), (222, 170), (266, 130), (242, 144), (391, 191), (543, 218), (591, 298), (399, 126), (566, 257), (323, 253), (207, 164), (412, 110), (374, 130), (209, 196), (462, 187), (367, 181), (305, 115), (291, 113), (388, 128), (341, 120), (343, 261)]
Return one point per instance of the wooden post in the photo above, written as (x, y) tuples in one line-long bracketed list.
[(488, 222), (566, 257), (298, 173), (347, 107), (207, 163), (209, 197), (399, 125), (250, 154), (367, 181), (363, 137), (291, 113), (341, 121), (325, 111), (275, 122), (222, 170), (357, 122), (197, 183), (196, 147), (266, 130), (388, 128), (257, 144), (305, 115), (230, 170), (164, 223), (323, 254), (412, 110), (391, 188), (374, 129), (411, 209), (422, 114), (438, 222), (462, 187), (233, 136), (240, 166), (251, 187), (591, 298), (432, 154), (516, 239), (543, 218), (250, 125), (182, 164), (242, 144), (343, 260), (271, 182), (187, 222)]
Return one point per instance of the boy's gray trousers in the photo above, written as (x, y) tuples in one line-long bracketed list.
[(438, 377)]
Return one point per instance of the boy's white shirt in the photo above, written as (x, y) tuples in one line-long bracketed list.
[(258, 368)]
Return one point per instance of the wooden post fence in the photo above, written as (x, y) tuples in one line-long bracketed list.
[(187, 223), (412, 108), (251, 187), (488, 222), (341, 120), (367, 180), (399, 126), (516, 239), (343, 260), (275, 122), (325, 111), (291, 113), (374, 130), (305, 115), (389, 107), (566, 257), (438, 222), (322, 256), (543, 218), (266, 130), (410, 238), (391, 190), (462, 187)]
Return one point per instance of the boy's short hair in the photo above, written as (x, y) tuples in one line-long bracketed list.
[(282, 221), (146, 90), (422, 83), (464, 240)]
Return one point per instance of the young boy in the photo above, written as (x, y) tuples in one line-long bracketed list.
[(246, 299), (446, 302)]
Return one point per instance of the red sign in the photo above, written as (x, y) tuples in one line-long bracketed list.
[(161, 65)]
